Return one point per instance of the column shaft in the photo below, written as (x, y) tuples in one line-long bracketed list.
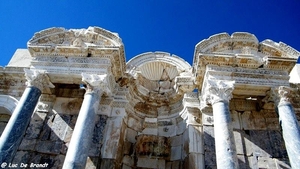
[(224, 140), (290, 132), (17, 124), (79, 145)]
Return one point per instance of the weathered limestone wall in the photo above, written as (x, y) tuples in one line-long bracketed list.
[(116, 144), (257, 134), (49, 133), (151, 120), (150, 147)]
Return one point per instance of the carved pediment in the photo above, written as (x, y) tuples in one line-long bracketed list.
[(58, 41), (92, 50)]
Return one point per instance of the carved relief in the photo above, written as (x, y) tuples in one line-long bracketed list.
[(45, 103), (286, 94), (218, 91), (98, 83), (38, 79), (71, 107), (57, 44), (153, 146)]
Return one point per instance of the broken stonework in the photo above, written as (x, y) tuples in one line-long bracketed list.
[(156, 110), (35, 125)]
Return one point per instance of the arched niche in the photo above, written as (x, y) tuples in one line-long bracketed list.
[(7, 106)]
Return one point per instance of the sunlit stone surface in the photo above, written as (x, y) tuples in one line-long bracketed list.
[(153, 111)]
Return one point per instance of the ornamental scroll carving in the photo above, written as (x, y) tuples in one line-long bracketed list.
[(97, 83), (218, 91), (39, 79), (281, 95), (286, 94)]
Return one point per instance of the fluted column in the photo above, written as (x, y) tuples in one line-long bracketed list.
[(289, 124), (81, 138), (37, 82), (218, 94)]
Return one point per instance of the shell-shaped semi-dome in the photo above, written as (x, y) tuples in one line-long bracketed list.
[(148, 61), (155, 75)]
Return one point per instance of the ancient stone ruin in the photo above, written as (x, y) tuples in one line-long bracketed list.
[(70, 100)]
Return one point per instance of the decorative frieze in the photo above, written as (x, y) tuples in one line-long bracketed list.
[(82, 49), (191, 99), (258, 77)]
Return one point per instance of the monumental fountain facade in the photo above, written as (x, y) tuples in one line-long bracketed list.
[(70, 100)]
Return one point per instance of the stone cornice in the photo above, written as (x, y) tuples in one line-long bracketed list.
[(51, 41), (242, 50), (75, 49), (38, 79), (191, 99), (243, 43)]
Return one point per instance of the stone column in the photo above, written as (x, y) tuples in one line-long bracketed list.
[(289, 124), (37, 82), (81, 138), (218, 94)]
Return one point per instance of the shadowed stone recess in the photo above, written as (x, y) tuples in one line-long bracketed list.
[(78, 149)]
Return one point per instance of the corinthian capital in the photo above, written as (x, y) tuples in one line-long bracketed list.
[(38, 79), (286, 94), (97, 83), (218, 91)]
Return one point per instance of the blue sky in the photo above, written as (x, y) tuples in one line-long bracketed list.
[(150, 25)]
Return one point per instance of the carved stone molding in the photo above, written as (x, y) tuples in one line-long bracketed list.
[(62, 51), (218, 91), (286, 94), (38, 79), (282, 95), (98, 83), (191, 99), (158, 79), (243, 50)]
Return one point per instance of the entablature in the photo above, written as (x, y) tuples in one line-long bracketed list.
[(242, 50), (249, 82), (62, 52)]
